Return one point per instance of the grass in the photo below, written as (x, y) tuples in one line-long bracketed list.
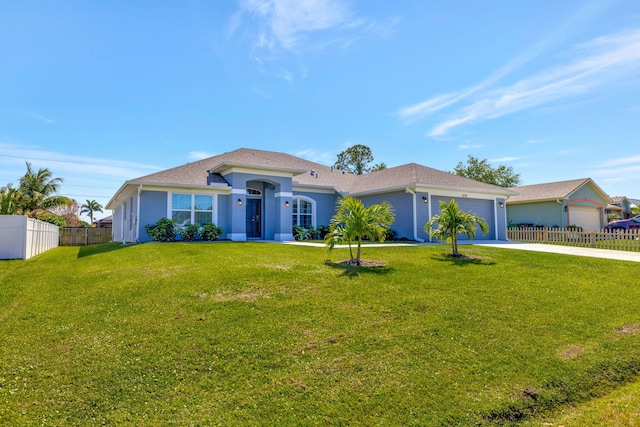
[(259, 333), (618, 408)]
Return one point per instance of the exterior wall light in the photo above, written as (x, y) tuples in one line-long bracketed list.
[(501, 204), (239, 202), (286, 204), (425, 200)]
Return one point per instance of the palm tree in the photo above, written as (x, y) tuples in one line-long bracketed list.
[(91, 207), (453, 221), (9, 200), (354, 221), (39, 191)]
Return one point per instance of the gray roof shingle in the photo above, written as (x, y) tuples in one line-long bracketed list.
[(549, 191), (411, 174)]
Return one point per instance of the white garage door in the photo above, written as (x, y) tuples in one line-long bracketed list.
[(586, 217)]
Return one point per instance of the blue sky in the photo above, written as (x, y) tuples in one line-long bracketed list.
[(102, 92)]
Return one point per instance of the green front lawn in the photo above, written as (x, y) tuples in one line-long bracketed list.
[(260, 333)]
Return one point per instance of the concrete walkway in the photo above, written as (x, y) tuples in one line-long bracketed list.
[(533, 247)]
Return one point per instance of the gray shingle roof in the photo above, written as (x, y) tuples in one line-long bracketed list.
[(550, 191), (616, 200), (411, 174)]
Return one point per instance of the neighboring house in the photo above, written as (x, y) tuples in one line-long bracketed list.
[(105, 222), (261, 195), (559, 204), (619, 207)]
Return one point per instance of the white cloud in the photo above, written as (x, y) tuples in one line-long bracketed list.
[(325, 157), (416, 112), (623, 161), (598, 65), (620, 171), (284, 24), (62, 164), (199, 155), (383, 29), (84, 178), (41, 117), (505, 159)]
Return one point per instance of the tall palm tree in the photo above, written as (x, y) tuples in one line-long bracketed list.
[(39, 190), (453, 221), (9, 200), (91, 207), (354, 221)]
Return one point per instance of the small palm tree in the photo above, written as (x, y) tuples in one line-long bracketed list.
[(355, 222), (38, 190), (453, 221), (91, 207)]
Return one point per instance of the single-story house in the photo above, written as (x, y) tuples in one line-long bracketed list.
[(559, 204), (619, 208), (254, 194)]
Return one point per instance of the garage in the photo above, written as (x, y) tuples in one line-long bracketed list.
[(586, 217), (483, 208)]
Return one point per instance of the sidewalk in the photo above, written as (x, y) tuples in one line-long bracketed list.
[(533, 247)]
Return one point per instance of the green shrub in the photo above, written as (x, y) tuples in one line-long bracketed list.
[(322, 231), (390, 235), (162, 231), (613, 217), (52, 219), (303, 233), (210, 232), (190, 232), (299, 233)]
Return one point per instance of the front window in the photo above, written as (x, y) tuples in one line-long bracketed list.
[(302, 213), (189, 209)]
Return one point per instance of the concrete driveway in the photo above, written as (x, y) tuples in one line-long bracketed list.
[(565, 250), (533, 247)]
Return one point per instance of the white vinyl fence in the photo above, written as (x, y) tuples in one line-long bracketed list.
[(22, 237)]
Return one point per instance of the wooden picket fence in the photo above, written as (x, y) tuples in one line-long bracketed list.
[(622, 240), (84, 236)]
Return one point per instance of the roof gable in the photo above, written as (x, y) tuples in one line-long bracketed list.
[(559, 190)]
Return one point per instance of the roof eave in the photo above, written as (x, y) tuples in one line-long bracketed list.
[(546, 199), (429, 187), (224, 166), (142, 184), (298, 186)]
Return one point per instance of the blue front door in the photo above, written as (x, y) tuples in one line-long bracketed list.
[(254, 218)]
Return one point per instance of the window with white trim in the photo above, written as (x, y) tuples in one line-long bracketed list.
[(189, 209), (302, 213)]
